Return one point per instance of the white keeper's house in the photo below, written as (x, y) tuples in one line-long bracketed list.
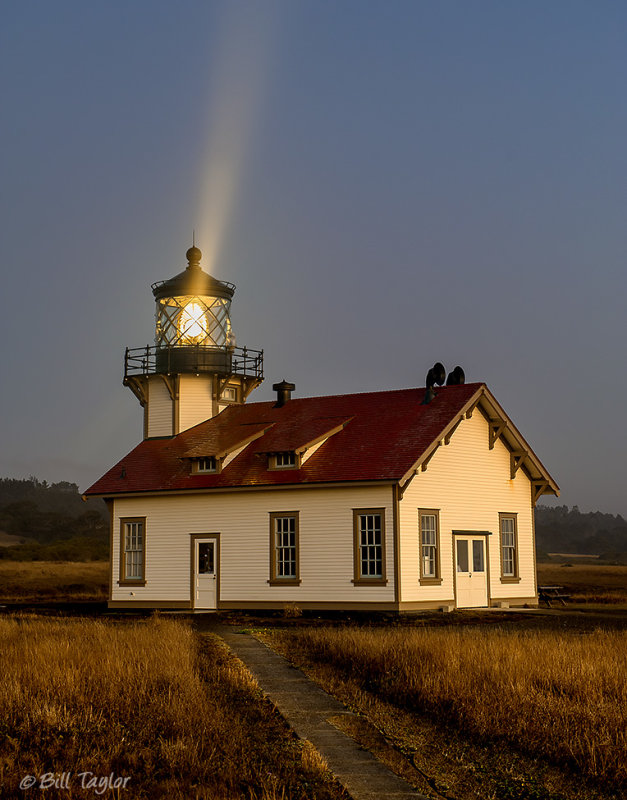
[(395, 500)]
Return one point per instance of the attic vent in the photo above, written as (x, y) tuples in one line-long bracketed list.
[(283, 392)]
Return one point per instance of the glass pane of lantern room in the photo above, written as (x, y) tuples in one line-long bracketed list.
[(192, 321), (167, 327), (218, 321)]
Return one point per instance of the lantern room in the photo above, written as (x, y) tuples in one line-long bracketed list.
[(193, 307), (194, 370)]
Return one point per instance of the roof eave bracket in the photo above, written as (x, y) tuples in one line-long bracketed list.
[(517, 459), (496, 429)]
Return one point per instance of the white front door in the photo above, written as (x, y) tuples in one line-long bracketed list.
[(471, 574), (205, 573)]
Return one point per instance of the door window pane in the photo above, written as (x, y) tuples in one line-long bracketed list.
[(462, 555), (205, 558), (477, 556)]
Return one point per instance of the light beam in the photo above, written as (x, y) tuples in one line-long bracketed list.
[(240, 76)]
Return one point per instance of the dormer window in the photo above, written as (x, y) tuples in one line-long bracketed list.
[(285, 460), (205, 464)]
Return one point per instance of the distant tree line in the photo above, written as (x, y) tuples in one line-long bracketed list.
[(51, 522), (563, 530)]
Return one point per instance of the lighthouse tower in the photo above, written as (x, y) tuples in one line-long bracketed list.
[(194, 370)]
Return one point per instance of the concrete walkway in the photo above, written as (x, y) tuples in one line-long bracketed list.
[(307, 708)]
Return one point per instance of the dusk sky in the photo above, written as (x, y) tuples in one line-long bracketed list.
[(388, 184)]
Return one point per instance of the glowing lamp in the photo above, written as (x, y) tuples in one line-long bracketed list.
[(192, 324)]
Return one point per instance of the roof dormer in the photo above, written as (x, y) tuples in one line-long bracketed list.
[(206, 465), (284, 459)]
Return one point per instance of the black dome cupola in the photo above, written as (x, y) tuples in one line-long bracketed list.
[(193, 281)]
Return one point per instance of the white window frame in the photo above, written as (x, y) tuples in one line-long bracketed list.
[(284, 548), (229, 394), (287, 459), (132, 551), (508, 540), (369, 546), (429, 545), (206, 465)]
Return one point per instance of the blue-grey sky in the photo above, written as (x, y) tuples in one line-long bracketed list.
[(387, 183)]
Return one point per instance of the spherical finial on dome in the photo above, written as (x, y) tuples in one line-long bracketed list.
[(193, 256)]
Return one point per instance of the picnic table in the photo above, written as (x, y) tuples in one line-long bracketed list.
[(548, 593)]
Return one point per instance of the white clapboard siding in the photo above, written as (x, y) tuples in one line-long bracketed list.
[(243, 522), (159, 408), (470, 484), (195, 400)]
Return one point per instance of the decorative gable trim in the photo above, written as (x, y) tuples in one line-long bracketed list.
[(500, 428), (445, 437), (496, 427), (517, 459)]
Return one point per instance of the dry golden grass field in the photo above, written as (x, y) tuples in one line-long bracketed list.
[(492, 712), (587, 583), (63, 581), (151, 701), (502, 711)]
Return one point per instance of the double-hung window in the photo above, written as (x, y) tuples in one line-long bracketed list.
[(369, 545), (133, 550), (428, 523), (509, 547), (284, 567)]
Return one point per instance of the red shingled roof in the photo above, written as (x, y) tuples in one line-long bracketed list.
[(384, 434), (223, 439)]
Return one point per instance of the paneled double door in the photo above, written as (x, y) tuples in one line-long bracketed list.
[(471, 571)]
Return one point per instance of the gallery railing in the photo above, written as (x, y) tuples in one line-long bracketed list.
[(193, 358)]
